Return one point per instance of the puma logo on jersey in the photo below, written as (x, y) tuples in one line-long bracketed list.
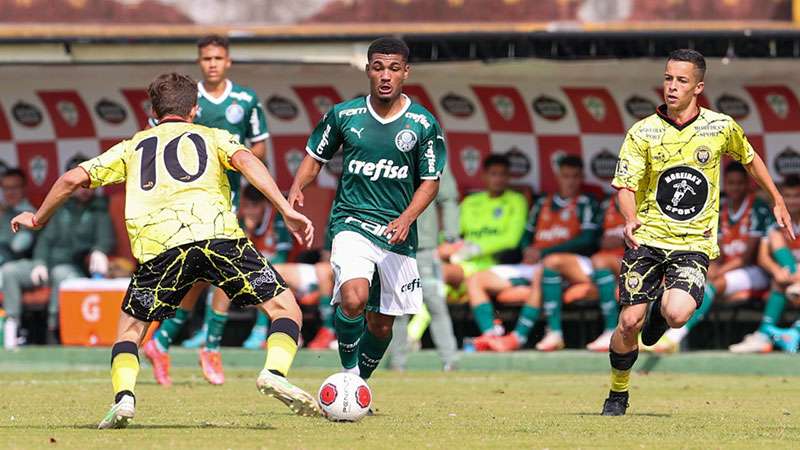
[(357, 132), (384, 168)]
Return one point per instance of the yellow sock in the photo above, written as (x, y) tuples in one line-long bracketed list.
[(281, 349), (620, 380), (124, 370)]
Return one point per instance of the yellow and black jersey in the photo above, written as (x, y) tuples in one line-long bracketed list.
[(675, 172), (176, 188)]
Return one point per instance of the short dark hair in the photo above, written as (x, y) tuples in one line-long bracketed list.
[(496, 159), (172, 93), (388, 46), (252, 193), (691, 56), (791, 181), (213, 39), (570, 161), (15, 172), (735, 167)]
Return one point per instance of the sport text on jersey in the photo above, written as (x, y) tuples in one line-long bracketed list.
[(682, 192)]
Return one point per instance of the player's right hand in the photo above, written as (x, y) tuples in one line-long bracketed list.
[(296, 196), (39, 275), (300, 226), (630, 228), (26, 220)]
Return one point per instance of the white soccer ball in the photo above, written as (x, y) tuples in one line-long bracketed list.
[(344, 397), (793, 292)]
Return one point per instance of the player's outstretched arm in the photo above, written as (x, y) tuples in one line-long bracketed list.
[(759, 172), (306, 173), (397, 230), (59, 193), (257, 174)]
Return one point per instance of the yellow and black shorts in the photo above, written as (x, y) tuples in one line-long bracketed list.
[(233, 265), (644, 269)]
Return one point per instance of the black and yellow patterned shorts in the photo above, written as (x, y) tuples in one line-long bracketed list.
[(644, 269), (233, 265)]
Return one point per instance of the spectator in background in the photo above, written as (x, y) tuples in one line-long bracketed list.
[(564, 222), (14, 248), (781, 264), (429, 224), (75, 243), (492, 222)]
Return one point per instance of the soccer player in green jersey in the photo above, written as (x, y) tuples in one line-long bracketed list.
[(393, 154), (667, 179), (236, 109), (182, 230)]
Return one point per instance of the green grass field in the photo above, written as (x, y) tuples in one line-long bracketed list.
[(56, 402)]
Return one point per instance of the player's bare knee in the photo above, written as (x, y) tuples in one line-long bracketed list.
[(629, 324), (353, 302), (381, 329), (677, 318)]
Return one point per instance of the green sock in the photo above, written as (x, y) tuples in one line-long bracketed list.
[(370, 352), (773, 310), (349, 332), (708, 299), (326, 311), (606, 287), (785, 258), (170, 329), (527, 319), (551, 297), (262, 323), (216, 325), (484, 316)]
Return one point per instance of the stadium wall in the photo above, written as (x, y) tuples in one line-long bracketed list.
[(535, 110)]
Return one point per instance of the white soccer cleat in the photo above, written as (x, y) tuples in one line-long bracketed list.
[(602, 343), (120, 414), (551, 342), (753, 343), (298, 400)]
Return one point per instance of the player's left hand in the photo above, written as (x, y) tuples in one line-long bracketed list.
[(300, 226), (397, 230), (25, 220), (784, 220)]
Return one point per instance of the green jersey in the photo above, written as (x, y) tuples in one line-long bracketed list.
[(563, 225), (493, 224), (384, 161), (737, 227), (236, 111)]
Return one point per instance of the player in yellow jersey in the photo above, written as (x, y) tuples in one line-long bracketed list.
[(181, 229), (668, 191)]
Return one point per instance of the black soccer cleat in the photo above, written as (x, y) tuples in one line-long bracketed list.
[(655, 325), (616, 404)]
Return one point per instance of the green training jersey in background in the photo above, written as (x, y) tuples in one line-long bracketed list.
[(492, 223), (384, 161), (237, 111)]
